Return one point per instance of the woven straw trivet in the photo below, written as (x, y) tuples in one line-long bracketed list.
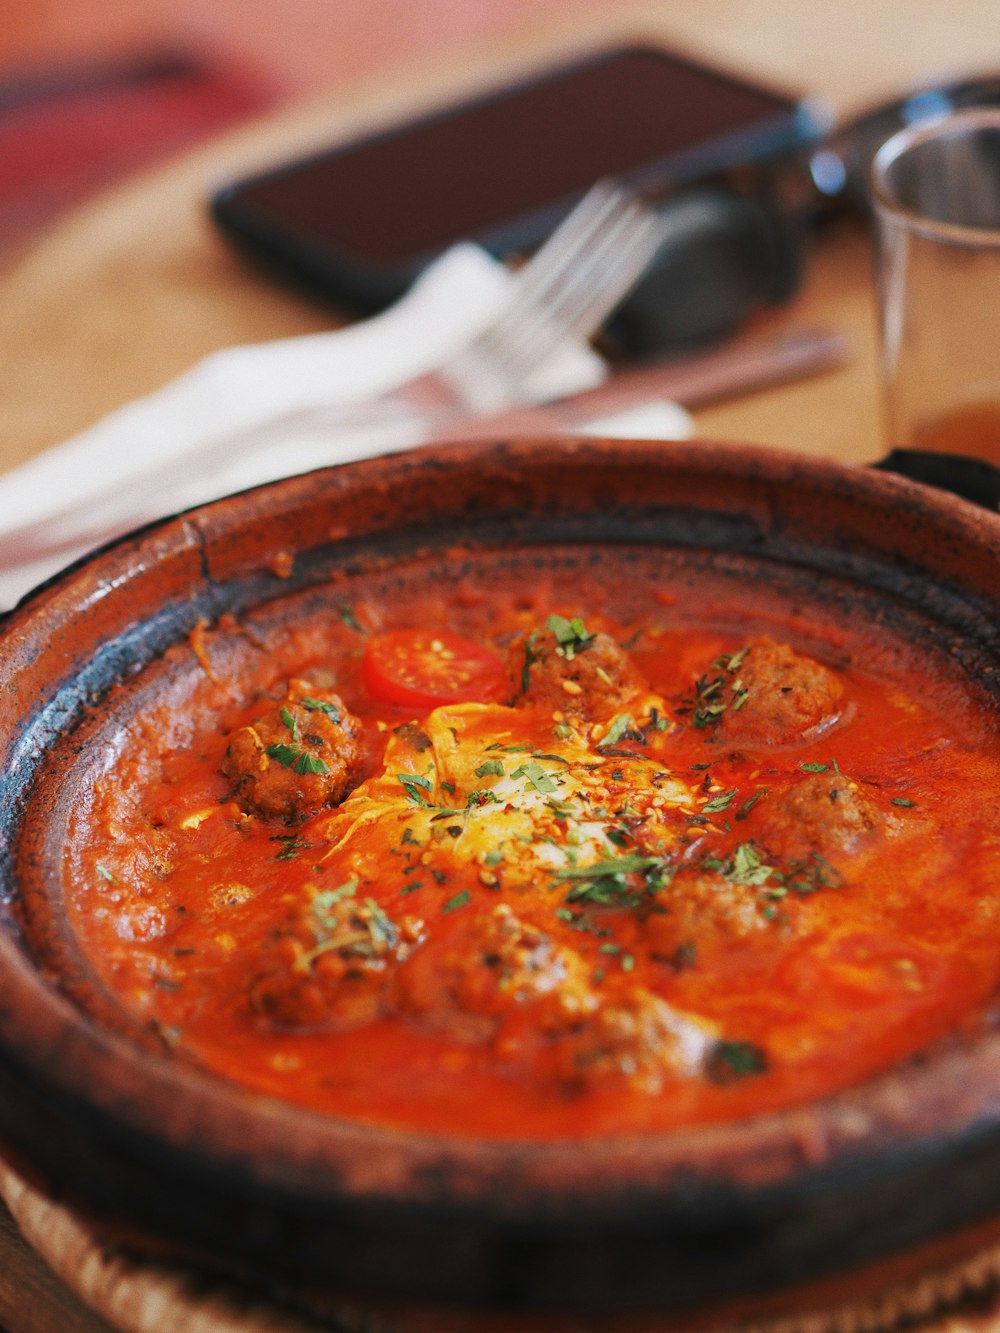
[(138, 1296)]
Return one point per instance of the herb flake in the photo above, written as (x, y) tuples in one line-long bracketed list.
[(731, 1061)]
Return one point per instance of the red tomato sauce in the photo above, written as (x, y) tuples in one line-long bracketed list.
[(642, 861)]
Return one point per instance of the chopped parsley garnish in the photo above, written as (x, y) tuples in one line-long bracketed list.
[(481, 796), (417, 788), (529, 661), (580, 919), (324, 917), (747, 866), (710, 700), (312, 705), (902, 800), (817, 766), (721, 802), (295, 758), (626, 960), (293, 844), (611, 882), (656, 722), (571, 636), (536, 776), (459, 900), (812, 874), (362, 930), (380, 927), (348, 617), (414, 737), (708, 704), (750, 802), (620, 728), (729, 1061), (308, 763), (490, 767)]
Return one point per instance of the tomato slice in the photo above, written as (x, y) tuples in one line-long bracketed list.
[(424, 668)]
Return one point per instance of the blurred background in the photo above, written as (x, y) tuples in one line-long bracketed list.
[(299, 45), (91, 91)]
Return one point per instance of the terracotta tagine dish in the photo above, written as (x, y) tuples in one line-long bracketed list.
[(549, 882)]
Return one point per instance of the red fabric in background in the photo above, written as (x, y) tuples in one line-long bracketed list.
[(65, 133)]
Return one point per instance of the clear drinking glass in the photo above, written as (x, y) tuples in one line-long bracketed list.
[(936, 190)]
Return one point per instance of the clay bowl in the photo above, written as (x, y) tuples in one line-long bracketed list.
[(882, 1179)]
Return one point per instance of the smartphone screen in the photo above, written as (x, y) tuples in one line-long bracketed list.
[(363, 219)]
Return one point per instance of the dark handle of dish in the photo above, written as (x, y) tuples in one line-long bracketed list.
[(969, 478)]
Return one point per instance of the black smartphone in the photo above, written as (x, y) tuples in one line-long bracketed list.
[(358, 223)]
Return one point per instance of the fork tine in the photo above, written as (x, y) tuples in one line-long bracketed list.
[(617, 254), (571, 294), (601, 207), (566, 289), (612, 268), (617, 249)]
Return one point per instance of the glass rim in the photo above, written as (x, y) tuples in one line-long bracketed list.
[(903, 141)]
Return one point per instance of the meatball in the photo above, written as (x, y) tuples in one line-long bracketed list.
[(300, 754), (636, 1037), (767, 694), (563, 667), (699, 903), (328, 965), (823, 814), (492, 964)]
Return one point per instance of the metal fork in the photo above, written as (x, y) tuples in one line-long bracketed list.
[(564, 292)]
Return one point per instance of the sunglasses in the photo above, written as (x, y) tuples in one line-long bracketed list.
[(839, 167)]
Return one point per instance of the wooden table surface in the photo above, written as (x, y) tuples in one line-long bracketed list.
[(134, 288)]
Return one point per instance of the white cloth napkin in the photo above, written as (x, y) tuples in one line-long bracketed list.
[(251, 414)]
